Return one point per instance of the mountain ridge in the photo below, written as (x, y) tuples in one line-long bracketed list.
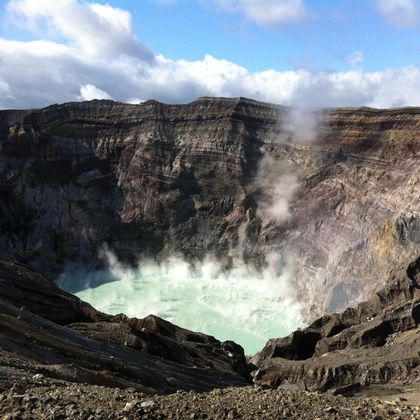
[(152, 178)]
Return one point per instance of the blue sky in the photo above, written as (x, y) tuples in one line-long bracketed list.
[(322, 53), (324, 41)]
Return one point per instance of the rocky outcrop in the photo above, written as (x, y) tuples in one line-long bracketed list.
[(51, 337), (154, 179), (375, 343), (50, 333), (29, 291)]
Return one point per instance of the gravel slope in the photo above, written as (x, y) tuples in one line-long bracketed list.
[(43, 400)]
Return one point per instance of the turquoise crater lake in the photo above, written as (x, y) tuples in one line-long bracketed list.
[(239, 305)]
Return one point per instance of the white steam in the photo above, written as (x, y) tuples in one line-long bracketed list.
[(278, 188), (276, 180), (300, 125), (241, 304)]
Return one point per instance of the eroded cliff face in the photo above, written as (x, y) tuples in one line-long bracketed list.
[(155, 179)]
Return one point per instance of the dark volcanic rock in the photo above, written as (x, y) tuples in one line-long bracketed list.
[(413, 272), (375, 343), (108, 366), (49, 332), (154, 179), (22, 288)]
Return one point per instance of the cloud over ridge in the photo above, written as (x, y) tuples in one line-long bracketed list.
[(93, 52)]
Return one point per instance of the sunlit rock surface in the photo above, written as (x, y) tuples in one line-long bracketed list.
[(367, 346), (154, 179)]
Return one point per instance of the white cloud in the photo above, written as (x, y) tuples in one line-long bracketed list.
[(356, 58), (399, 12), (39, 73), (89, 92), (94, 29), (135, 101), (267, 12)]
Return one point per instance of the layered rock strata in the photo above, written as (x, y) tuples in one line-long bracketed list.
[(155, 179)]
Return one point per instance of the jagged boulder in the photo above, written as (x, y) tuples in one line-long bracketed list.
[(375, 343)]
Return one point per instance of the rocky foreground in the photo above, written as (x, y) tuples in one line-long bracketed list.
[(43, 400), (376, 342), (60, 358)]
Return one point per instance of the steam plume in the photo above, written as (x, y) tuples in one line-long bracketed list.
[(244, 304)]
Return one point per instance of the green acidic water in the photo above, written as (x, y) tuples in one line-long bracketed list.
[(240, 306)]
